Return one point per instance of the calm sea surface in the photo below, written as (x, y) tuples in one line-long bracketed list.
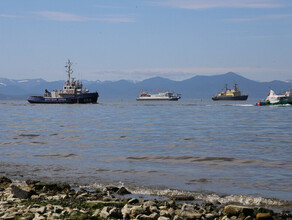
[(214, 150)]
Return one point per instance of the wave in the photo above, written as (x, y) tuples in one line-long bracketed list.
[(208, 160), (199, 197), (57, 155)]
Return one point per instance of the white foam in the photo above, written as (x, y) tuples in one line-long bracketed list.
[(245, 200), (213, 198)]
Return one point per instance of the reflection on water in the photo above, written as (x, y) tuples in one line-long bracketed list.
[(194, 146)]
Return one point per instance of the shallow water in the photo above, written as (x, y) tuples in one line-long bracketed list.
[(202, 147)]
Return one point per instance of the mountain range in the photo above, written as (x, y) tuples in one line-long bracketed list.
[(197, 87)]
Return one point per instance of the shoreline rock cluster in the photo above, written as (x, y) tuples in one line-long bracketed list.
[(42, 200)]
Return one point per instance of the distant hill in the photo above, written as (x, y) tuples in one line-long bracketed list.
[(197, 87)]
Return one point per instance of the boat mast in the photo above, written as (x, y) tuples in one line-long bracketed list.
[(69, 70), (235, 86)]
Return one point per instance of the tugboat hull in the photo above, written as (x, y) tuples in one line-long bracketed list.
[(79, 98), (232, 98)]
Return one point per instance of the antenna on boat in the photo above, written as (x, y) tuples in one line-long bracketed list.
[(235, 86), (289, 85), (69, 70)]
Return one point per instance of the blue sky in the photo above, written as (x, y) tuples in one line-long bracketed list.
[(135, 39)]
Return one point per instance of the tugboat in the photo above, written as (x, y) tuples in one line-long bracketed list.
[(71, 93), (230, 95), (274, 99), (162, 96)]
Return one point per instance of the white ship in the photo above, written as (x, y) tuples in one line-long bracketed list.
[(162, 96)]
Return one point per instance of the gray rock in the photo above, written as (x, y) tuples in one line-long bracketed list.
[(154, 216), (143, 217), (35, 197), (105, 212), (176, 217), (31, 182), (188, 212), (232, 210), (163, 218), (133, 201), (165, 213), (115, 213), (96, 213), (112, 188), (50, 207), (58, 209), (8, 216), (152, 209), (4, 182), (171, 211), (163, 207), (136, 210), (148, 204), (171, 204), (210, 216), (41, 210), (123, 191), (21, 191), (56, 216), (126, 211), (37, 216), (264, 216)]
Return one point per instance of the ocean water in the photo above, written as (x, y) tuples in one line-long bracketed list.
[(216, 151)]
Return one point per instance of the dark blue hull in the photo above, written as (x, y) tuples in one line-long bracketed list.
[(80, 98), (230, 98)]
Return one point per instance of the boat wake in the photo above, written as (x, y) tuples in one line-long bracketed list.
[(239, 105)]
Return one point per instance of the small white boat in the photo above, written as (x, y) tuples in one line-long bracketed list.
[(162, 96)]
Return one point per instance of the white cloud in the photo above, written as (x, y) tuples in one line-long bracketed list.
[(9, 16), (68, 17), (60, 16), (206, 4)]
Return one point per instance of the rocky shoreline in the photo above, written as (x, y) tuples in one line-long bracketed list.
[(44, 200)]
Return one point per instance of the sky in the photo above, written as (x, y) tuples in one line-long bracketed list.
[(139, 39)]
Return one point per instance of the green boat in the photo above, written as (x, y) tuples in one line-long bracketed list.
[(274, 99)]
